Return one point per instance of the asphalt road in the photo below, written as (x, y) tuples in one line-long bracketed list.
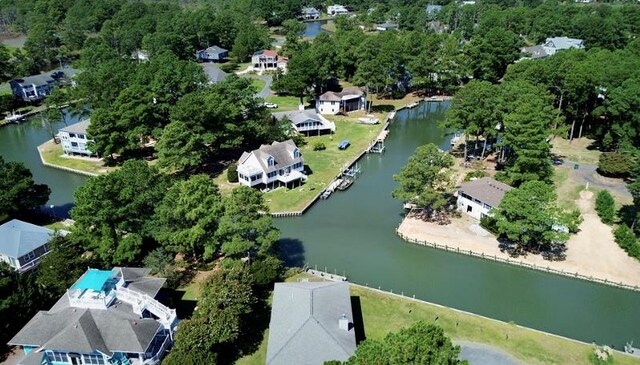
[(587, 173), (479, 354)]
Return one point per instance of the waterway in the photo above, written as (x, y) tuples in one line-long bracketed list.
[(313, 28), (19, 142), (353, 233)]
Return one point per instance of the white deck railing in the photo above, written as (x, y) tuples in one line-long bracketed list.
[(140, 302)]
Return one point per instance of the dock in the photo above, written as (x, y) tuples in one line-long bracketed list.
[(377, 146), (326, 275)]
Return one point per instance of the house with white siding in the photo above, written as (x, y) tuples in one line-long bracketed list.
[(271, 166), (307, 122), (74, 139), (348, 100), (268, 60), (22, 244), (477, 197)]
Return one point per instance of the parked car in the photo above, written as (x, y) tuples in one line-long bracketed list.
[(271, 105)]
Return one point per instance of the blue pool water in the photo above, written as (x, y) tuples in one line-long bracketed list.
[(93, 279)]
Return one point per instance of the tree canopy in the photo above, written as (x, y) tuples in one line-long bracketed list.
[(19, 194)]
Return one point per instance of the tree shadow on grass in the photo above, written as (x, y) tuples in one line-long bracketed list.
[(627, 214), (358, 321), (382, 108), (174, 299)]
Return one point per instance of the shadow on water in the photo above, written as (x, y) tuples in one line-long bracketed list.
[(358, 322), (292, 252)]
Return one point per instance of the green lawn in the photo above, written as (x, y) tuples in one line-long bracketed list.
[(385, 313), (284, 102), (5, 89), (324, 165), (52, 153), (257, 83)]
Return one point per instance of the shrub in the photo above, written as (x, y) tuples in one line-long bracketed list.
[(489, 224), (605, 206), (474, 174), (614, 164), (232, 173), (319, 146), (626, 239)]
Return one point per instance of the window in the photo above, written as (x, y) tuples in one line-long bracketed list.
[(272, 174), (74, 144), (296, 153), (30, 256), (93, 359), (81, 136), (72, 135), (13, 262), (256, 177), (56, 356), (270, 161)]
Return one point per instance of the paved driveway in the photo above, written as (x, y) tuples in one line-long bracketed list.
[(587, 173), (268, 79), (480, 354)]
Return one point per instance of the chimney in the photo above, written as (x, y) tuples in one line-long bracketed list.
[(343, 323)]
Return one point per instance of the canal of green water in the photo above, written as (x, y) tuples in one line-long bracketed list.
[(353, 233)]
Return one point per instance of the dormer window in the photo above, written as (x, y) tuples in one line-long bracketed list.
[(296, 153), (270, 161)]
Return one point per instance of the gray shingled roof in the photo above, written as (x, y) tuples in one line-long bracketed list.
[(334, 96), (216, 49), (282, 153), (564, 42), (299, 116), (535, 51), (304, 323), (486, 189), (65, 328), (38, 80), (80, 127), (213, 72), (18, 238)]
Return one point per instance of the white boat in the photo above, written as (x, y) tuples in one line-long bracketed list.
[(368, 120), (455, 139), (15, 118)]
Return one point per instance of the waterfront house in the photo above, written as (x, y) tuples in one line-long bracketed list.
[(334, 10), (22, 244), (212, 54), (37, 87), (213, 72), (307, 122), (74, 138), (106, 317), (311, 322), (476, 198), (270, 166), (387, 26), (268, 60), (348, 100), (551, 46), (310, 13)]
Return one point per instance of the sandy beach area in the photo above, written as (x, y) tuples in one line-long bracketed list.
[(591, 252)]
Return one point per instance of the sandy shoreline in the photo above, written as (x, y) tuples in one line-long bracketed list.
[(592, 252)]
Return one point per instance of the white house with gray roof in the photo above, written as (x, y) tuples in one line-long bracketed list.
[(22, 244), (307, 122), (477, 197), (37, 87), (214, 73), (212, 54), (74, 138), (106, 317), (311, 322), (348, 100), (277, 164), (551, 46)]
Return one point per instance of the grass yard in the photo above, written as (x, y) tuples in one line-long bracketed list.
[(567, 189), (257, 83), (52, 153), (5, 89), (285, 103), (578, 150), (324, 165), (384, 313)]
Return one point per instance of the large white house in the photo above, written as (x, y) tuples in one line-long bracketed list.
[(551, 46), (307, 122), (277, 164), (74, 138), (348, 100), (268, 60), (334, 10), (478, 197)]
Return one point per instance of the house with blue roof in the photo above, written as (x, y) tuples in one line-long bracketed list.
[(212, 54), (22, 244), (105, 317)]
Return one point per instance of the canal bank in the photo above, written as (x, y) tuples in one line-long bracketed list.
[(354, 234)]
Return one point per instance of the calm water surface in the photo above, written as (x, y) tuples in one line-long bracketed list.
[(353, 232)]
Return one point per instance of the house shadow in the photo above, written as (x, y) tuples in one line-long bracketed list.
[(308, 170), (358, 322), (292, 252), (173, 298)]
